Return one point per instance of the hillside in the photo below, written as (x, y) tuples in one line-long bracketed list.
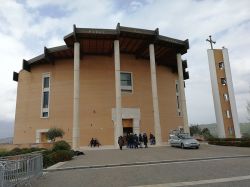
[(244, 128)]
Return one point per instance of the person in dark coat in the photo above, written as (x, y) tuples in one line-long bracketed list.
[(136, 141), (145, 140), (91, 142), (131, 140), (140, 140), (120, 142), (152, 139)]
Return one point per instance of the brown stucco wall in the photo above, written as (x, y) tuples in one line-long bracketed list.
[(225, 105), (97, 98), (28, 109)]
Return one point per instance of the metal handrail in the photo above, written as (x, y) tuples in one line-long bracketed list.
[(20, 169)]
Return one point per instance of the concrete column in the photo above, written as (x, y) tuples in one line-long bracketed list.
[(231, 93), (76, 125), (157, 126), (182, 94), (136, 126), (118, 123)]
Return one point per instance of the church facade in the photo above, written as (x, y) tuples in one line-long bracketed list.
[(103, 83)]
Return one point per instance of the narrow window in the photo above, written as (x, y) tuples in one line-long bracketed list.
[(45, 95), (126, 82), (221, 65), (178, 102), (177, 98), (226, 97), (230, 130), (223, 81), (228, 114)]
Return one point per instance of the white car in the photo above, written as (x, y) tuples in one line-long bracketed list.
[(183, 141)]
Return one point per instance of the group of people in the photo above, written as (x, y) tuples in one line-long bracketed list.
[(94, 142), (135, 141)]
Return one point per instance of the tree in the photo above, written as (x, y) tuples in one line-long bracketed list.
[(54, 133), (206, 133), (195, 130)]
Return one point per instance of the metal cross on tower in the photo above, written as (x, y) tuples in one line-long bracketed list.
[(210, 41)]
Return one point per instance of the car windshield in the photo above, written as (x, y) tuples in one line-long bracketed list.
[(184, 136)]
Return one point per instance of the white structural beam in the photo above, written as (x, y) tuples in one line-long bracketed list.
[(157, 126), (216, 94), (182, 94), (76, 125), (231, 93), (118, 131)]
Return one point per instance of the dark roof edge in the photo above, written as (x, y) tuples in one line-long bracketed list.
[(37, 58), (58, 48), (173, 40), (49, 51), (119, 29), (115, 32)]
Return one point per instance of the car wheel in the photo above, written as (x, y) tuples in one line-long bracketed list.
[(182, 146), (197, 147)]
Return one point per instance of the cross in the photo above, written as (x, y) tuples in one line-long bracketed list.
[(210, 41)]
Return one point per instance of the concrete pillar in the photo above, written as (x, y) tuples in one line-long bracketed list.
[(157, 126), (76, 125), (231, 93), (136, 126), (118, 123), (182, 94)]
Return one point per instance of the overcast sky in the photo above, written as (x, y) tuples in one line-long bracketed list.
[(27, 26)]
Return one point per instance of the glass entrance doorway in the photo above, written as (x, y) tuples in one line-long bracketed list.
[(127, 130), (127, 126)]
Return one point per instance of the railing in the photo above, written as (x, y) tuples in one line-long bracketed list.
[(20, 169)]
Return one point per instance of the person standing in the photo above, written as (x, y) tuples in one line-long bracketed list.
[(140, 140), (136, 141), (145, 140), (131, 140), (120, 142), (151, 138)]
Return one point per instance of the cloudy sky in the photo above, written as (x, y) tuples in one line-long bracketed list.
[(27, 26)]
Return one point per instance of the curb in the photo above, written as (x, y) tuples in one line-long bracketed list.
[(143, 163)]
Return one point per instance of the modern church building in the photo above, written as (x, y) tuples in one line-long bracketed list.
[(103, 83)]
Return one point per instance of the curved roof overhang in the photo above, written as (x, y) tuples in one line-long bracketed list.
[(100, 42)]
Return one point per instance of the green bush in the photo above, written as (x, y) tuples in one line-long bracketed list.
[(62, 155), (61, 145), (239, 142), (59, 153), (18, 151), (3, 153), (53, 157), (48, 160)]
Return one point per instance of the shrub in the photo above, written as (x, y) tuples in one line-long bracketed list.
[(52, 157), (18, 151), (239, 142), (48, 160), (195, 130), (15, 151), (54, 133), (3, 153), (62, 155), (61, 145)]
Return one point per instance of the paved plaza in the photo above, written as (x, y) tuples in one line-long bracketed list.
[(156, 166)]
